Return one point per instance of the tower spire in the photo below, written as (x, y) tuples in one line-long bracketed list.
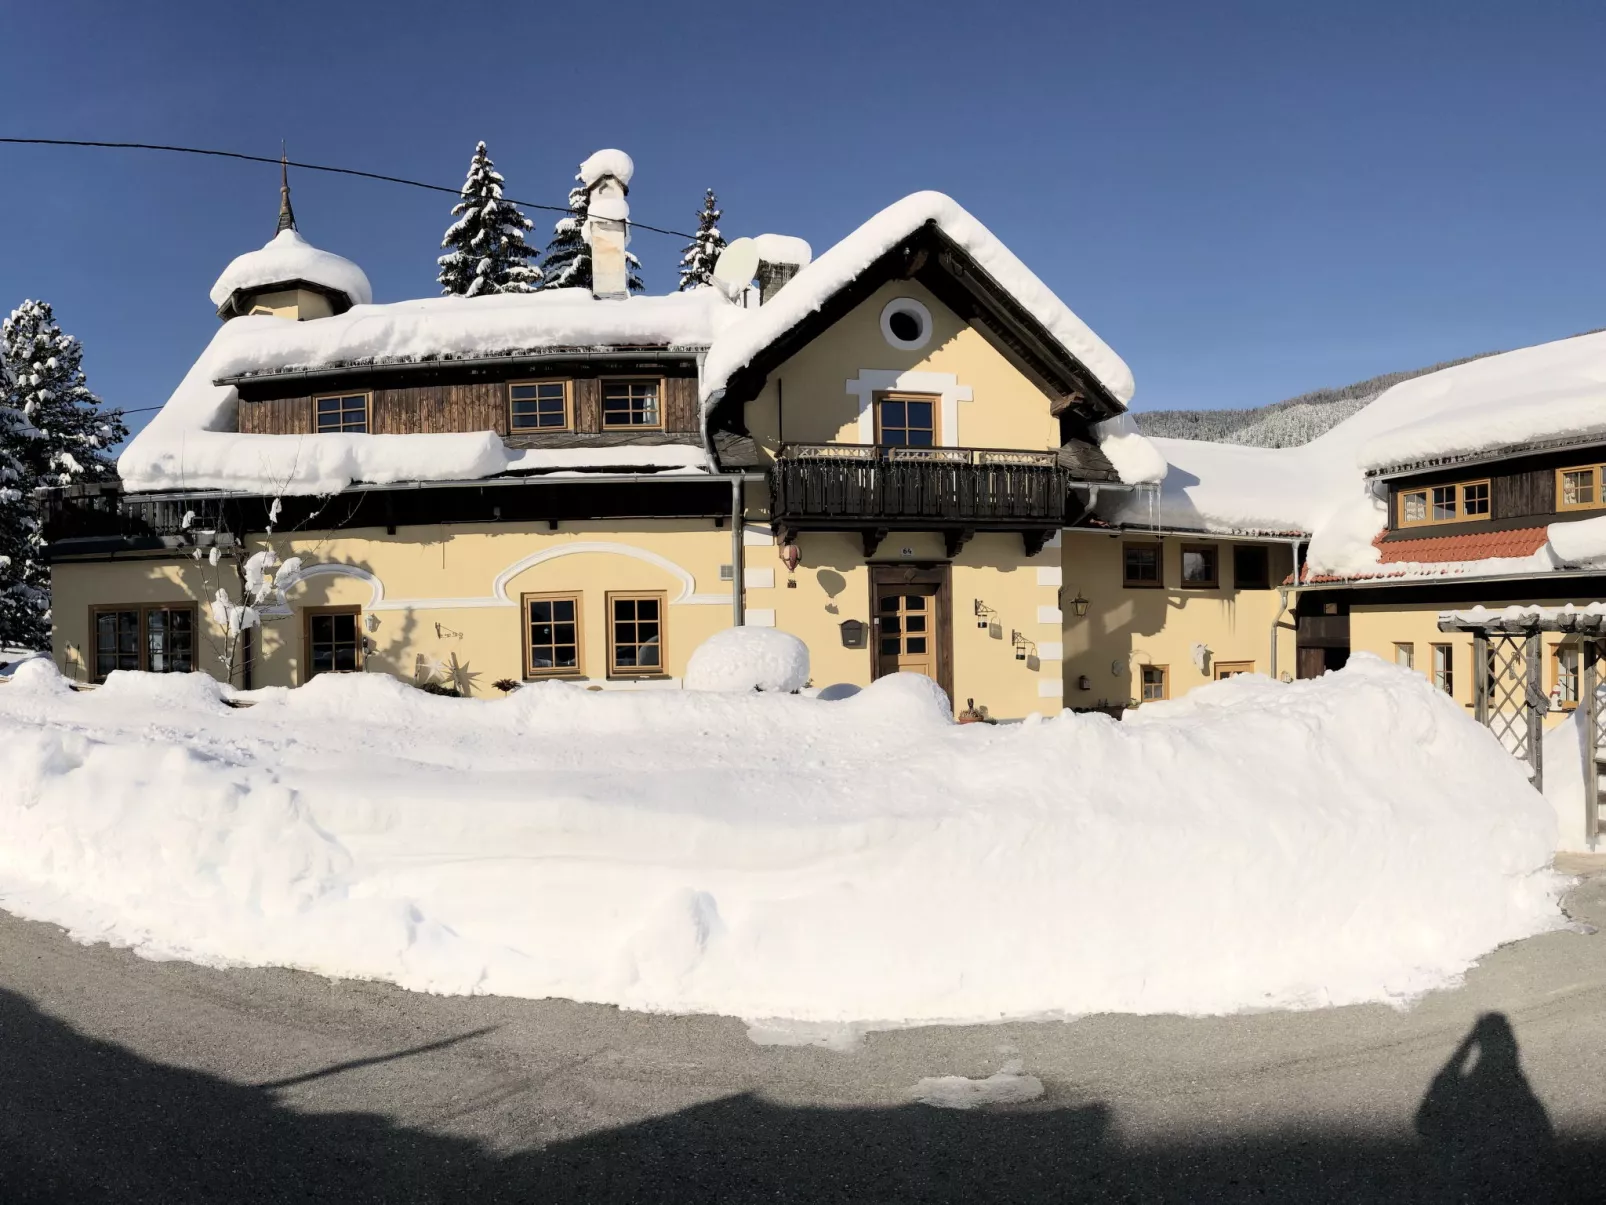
[(287, 216)]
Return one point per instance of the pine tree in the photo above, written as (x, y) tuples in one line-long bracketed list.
[(489, 254), (568, 255), (22, 606), (697, 261), (64, 438)]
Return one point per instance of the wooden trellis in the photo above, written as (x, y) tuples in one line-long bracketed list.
[(1508, 689)]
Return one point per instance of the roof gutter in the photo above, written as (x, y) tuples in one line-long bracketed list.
[(665, 478), (1374, 583)]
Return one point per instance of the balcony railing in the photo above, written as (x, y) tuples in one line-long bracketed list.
[(103, 511), (860, 483)]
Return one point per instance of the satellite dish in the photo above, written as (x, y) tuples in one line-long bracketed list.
[(736, 267)]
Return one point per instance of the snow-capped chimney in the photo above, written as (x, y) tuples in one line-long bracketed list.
[(780, 257), (606, 176)]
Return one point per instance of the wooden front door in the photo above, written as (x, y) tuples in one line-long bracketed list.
[(912, 633), (906, 626)]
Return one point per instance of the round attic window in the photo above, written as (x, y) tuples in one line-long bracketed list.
[(906, 324)]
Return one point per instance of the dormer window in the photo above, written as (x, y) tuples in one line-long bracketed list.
[(1458, 503), (342, 412), (1579, 488)]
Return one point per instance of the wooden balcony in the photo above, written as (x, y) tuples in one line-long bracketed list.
[(102, 512), (959, 491)]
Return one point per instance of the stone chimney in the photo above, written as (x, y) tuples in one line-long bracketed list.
[(780, 257), (606, 176)]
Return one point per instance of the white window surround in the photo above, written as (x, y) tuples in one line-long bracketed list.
[(906, 305), (872, 381)]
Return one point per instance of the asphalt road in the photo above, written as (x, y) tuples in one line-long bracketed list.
[(126, 1080)]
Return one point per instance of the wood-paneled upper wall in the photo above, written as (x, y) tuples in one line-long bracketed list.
[(1522, 492), (477, 406)]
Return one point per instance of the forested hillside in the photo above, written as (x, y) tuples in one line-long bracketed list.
[(1282, 424)]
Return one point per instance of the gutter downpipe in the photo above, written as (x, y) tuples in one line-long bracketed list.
[(1285, 594), (738, 481)]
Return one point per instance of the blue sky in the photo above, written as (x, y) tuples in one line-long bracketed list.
[(1245, 200)]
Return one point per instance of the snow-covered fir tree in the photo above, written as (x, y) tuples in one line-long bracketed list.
[(22, 606), (697, 261), (64, 438), (488, 252), (568, 255)]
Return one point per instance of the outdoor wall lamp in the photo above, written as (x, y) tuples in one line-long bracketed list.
[(1084, 683), (984, 614), (1023, 646), (1078, 605)]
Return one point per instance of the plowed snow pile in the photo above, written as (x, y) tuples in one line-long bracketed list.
[(1348, 839)]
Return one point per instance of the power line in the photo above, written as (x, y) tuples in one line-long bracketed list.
[(311, 167)]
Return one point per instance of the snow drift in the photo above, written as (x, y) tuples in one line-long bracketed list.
[(1256, 845)]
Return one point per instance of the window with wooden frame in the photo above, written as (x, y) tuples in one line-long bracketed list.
[(1201, 567), (337, 412), (1444, 667), (158, 638), (906, 420), (636, 635), (1564, 675), (1251, 567), (1580, 488), (633, 403), (552, 636), (540, 406), (1460, 502), (1231, 669), (333, 640), (1154, 683), (1405, 654), (1140, 566)]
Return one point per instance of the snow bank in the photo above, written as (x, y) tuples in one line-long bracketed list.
[(1351, 838), (192, 443), (290, 257), (822, 279), (748, 659), (1581, 542), (1564, 783), (607, 163)]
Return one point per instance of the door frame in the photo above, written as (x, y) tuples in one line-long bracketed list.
[(894, 574)]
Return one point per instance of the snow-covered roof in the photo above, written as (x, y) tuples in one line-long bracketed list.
[(289, 257), (1551, 391), (783, 249), (192, 442), (811, 288), (607, 163)]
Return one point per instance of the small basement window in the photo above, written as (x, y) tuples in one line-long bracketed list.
[(631, 404), (1140, 565), (539, 406), (1154, 684), (341, 412), (333, 640), (1200, 567), (1231, 669), (1457, 503), (1579, 488)]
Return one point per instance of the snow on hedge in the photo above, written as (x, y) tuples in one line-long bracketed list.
[(837, 267), (1351, 838), (289, 257), (192, 443), (748, 659)]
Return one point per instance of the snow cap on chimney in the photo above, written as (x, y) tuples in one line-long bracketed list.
[(606, 176), (780, 257)]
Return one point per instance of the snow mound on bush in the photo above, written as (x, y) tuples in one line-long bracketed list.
[(1346, 839), (38, 675), (749, 659)]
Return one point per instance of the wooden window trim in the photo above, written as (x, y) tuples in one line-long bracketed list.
[(531, 673), (1222, 670), (1555, 672), (907, 395), (1449, 667), (367, 411), (142, 636), (1165, 683), (307, 615), (602, 404), (1131, 584), (568, 406), (1214, 551), (1460, 516), (630, 671), (1595, 475)]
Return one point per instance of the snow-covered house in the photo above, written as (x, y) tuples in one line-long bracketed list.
[(881, 453)]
